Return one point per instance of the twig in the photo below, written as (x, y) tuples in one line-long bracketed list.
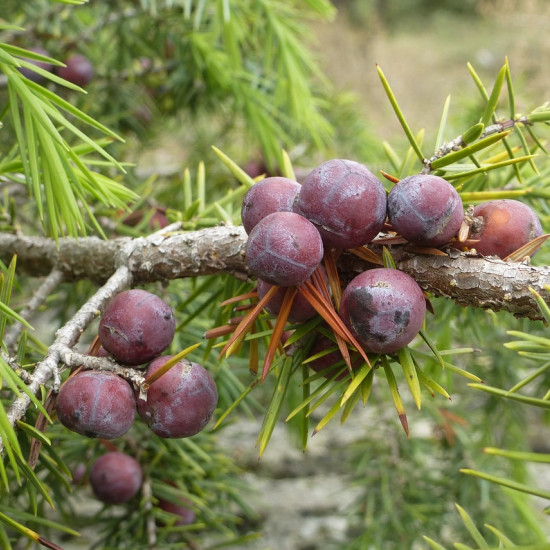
[(471, 280), (165, 255), (73, 359), (53, 280), (16, 367), (458, 143)]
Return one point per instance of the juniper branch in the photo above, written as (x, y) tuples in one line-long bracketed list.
[(16, 367), (168, 255), (467, 279)]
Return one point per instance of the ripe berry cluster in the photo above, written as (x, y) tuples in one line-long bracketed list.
[(136, 328), (342, 205)]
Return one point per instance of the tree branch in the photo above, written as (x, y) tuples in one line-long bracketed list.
[(166, 255), (468, 279)]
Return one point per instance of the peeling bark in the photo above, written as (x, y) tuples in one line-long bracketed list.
[(189, 254), (486, 283)]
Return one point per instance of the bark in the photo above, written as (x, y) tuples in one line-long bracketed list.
[(468, 280), (164, 256), (486, 283)]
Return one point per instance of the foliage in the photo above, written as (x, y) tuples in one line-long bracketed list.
[(246, 68), (217, 57)]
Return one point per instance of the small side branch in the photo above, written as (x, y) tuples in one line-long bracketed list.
[(75, 360), (66, 338), (52, 281), (463, 140)]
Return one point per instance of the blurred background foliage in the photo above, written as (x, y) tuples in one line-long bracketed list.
[(174, 78)]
